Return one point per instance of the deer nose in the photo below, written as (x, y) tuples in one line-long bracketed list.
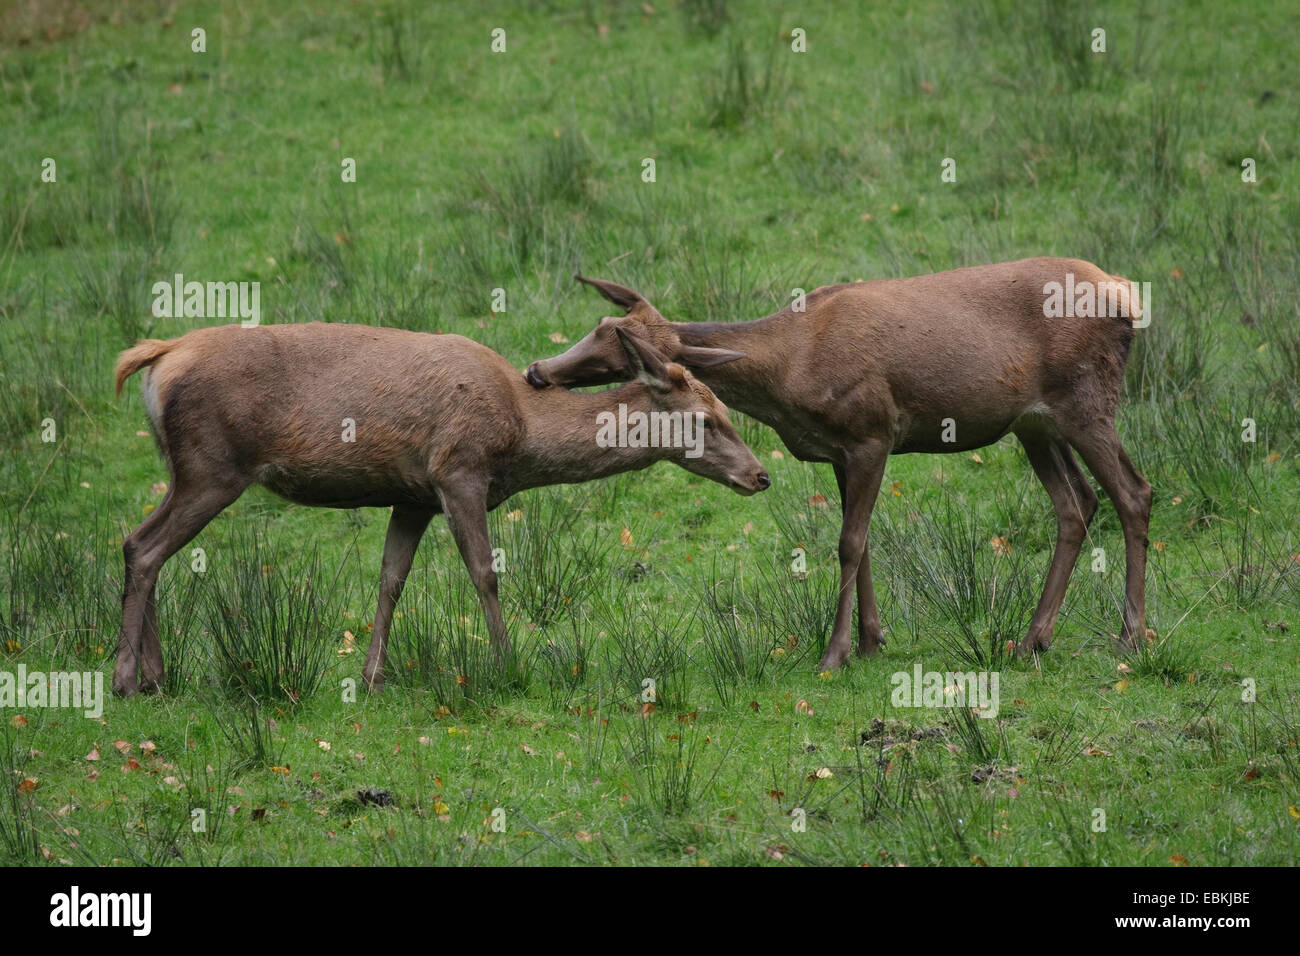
[(763, 481), (534, 378)]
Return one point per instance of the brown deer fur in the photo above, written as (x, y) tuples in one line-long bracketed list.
[(442, 424), (871, 369)]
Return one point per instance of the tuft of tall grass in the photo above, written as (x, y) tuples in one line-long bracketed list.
[(984, 745), (1167, 660), (186, 645), (552, 554), (707, 17), (251, 736), (60, 593), (770, 625), (979, 590), (274, 618), (19, 836), (439, 643), (116, 286), (739, 92), (645, 640), (394, 43), (664, 765), (568, 659)]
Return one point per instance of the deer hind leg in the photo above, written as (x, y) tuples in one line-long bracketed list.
[(151, 659), (862, 474), (1129, 492), (870, 634), (405, 529), (182, 515), (131, 652), (1075, 504)]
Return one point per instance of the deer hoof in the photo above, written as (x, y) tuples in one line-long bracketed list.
[(870, 648), (834, 659), (1031, 644)]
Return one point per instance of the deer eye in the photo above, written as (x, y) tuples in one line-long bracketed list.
[(708, 424)]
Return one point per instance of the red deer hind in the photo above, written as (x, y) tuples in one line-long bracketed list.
[(442, 424), (937, 363)]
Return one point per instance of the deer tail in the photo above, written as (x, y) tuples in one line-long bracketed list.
[(143, 353)]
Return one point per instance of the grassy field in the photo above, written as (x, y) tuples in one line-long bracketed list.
[(774, 170)]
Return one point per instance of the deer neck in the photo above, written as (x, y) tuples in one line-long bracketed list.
[(757, 383), (562, 427)]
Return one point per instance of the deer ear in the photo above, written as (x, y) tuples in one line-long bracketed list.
[(644, 360), (698, 356), (618, 294)]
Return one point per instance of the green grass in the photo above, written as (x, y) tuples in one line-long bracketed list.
[(775, 170)]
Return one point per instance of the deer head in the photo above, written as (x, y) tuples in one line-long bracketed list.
[(599, 358)]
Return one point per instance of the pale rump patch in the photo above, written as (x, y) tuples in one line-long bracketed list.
[(152, 405)]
